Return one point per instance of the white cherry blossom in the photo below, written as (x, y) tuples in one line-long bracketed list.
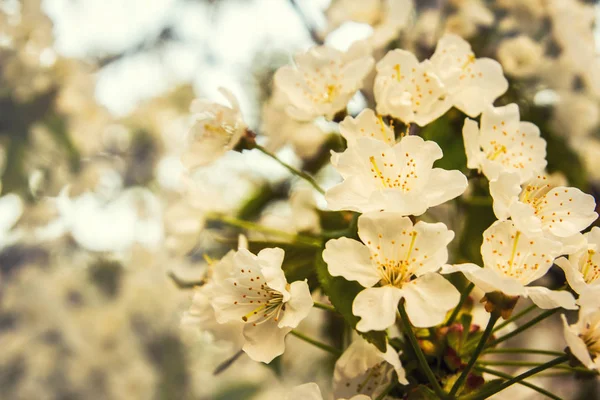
[(253, 289), (323, 80), (217, 129), (521, 56), (400, 178), (364, 370), (471, 83), (311, 391), (366, 124), (504, 144), (396, 260), (583, 338), (539, 208), (409, 90), (582, 269), (511, 261)]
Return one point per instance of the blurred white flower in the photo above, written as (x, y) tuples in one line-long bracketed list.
[(409, 90), (582, 269), (521, 56), (364, 370), (311, 391), (253, 289), (467, 17), (472, 84), (397, 260), (511, 261), (583, 338), (503, 143), (114, 225), (217, 129), (323, 80), (399, 178)]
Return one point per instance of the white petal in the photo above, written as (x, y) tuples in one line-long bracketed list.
[(298, 306), (486, 279), (572, 273), (350, 259), (264, 341), (505, 191), (376, 307), (477, 90), (270, 261), (577, 345), (568, 211), (549, 299), (444, 186), (428, 299), (308, 391), (349, 195), (471, 139), (525, 220)]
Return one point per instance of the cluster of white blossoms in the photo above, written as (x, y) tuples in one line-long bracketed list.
[(388, 180)]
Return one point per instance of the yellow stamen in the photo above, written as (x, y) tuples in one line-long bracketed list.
[(398, 75), (377, 171), (514, 251), (470, 60), (253, 312)]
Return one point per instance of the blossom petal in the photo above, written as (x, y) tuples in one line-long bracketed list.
[(264, 341), (428, 299), (308, 391), (577, 345), (525, 220), (444, 186), (505, 191), (471, 139), (549, 299), (568, 211), (487, 279), (572, 273), (376, 307), (298, 306), (350, 259)]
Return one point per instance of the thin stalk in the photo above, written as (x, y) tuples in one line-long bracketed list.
[(519, 378), (293, 170), (420, 356), (480, 346), (324, 306), (523, 327), (516, 317), (523, 351), (386, 391), (528, 364), (252, 226), (316, 343), (463, 297), (527, 384)]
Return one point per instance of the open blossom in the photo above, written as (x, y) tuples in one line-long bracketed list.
[(311, 391), (364, 370), (398, 178), (539, 208), (396, 260), (582, 269), (253, 289), (217, 129), (323, 80), (421, 92), (511, 261), (471, 83), (583, 338), (521, 56), (11, 208), (409, 90), (504, 144)]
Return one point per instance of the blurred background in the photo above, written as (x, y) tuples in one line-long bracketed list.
[(101, 237)]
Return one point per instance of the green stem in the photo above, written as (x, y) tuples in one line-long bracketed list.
[(252, 226), (516, 317), (523, 351), (463, 297), (523, 327), (293, 170), (519, 378), (528, 364), (386, 390), (480, 346), (419, 353), (324, 306), (316, 343), (527, 384)]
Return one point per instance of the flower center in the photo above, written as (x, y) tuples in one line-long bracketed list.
[(591, 337), (589, 269), (398, 272), (496, 152), (535, 192), (374, 378), (393, 176), (264, 303)]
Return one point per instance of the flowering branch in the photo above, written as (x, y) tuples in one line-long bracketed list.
[(316, 343), (523, 327), (515, 317), (463, 297), (527, 384), (419, 353), (480, 346), (293, 170), (523, 351)]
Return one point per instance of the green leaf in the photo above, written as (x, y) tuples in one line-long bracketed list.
[(341, 293)]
